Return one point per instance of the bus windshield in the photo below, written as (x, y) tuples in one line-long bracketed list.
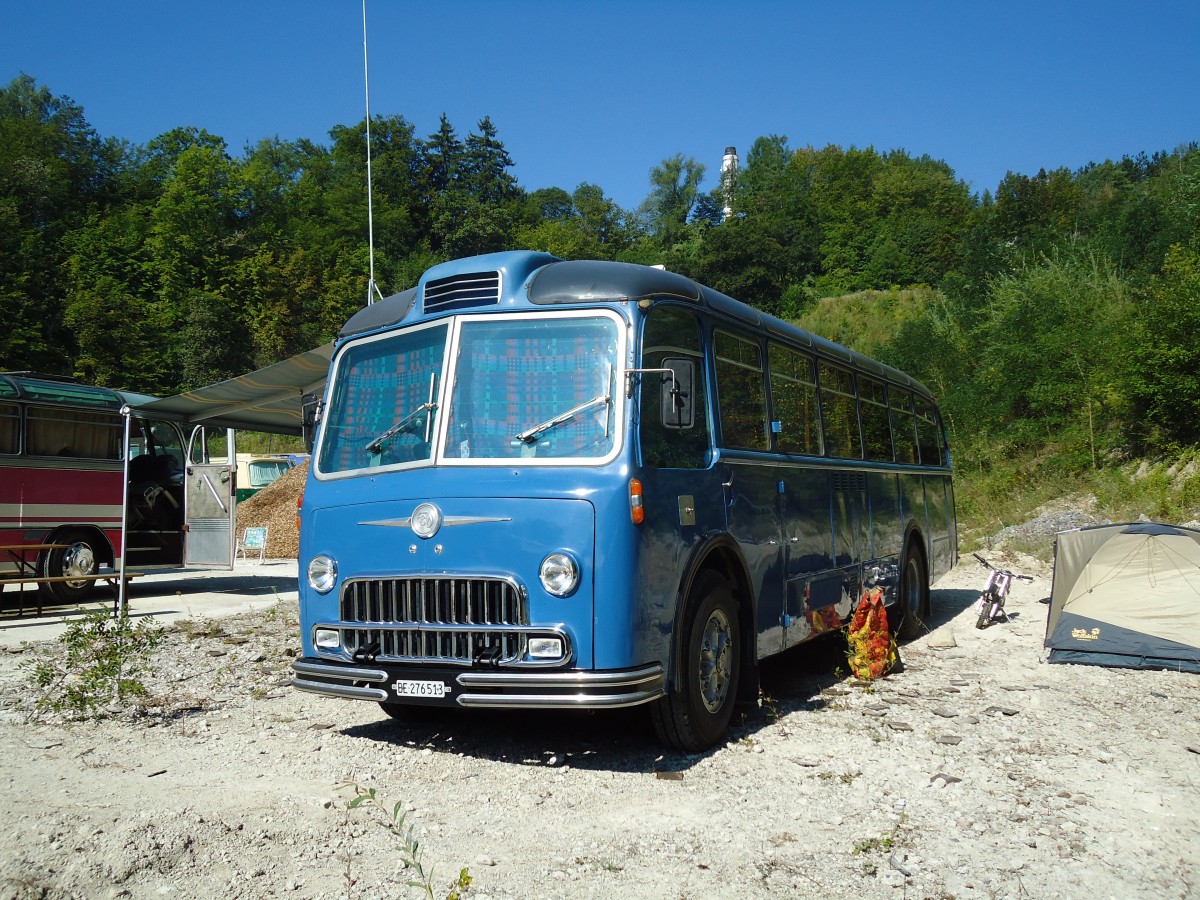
[(530, 387)]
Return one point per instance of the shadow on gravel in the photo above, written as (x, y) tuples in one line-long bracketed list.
[(624, 740), (608, 740), (944, 605), (602, 740)]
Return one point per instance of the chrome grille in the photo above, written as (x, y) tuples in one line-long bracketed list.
[(448, 620), (462, 291)]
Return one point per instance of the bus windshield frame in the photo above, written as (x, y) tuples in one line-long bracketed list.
[(540, 388)]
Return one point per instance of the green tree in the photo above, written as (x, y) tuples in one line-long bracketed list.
[(54, 170), (443, 153), (484, 167), (1165, 365), (583, 225), (196, 240), (1054, 342), (674, 189)]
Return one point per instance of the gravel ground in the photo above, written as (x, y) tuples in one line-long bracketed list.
[(976, 771)]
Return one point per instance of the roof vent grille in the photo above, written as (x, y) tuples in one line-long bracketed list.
[(462, 291)]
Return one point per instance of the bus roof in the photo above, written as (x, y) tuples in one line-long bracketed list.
[(63, 391), (527, 279)]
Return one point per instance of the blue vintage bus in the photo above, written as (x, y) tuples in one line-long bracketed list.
[(548, 483)]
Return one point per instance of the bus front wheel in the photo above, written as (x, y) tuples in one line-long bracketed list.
[(696, 716), (78, 557)]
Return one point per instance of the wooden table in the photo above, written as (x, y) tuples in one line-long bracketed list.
[(27, 570)]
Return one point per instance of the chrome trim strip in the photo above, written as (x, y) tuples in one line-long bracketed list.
[(345, 691), (448, 521), (558, 701), (434, 627), (301, 667), (581, 689), (650, 675)]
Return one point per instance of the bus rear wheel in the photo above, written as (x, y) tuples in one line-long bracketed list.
[(78, 557), (912, 603), (696, 716)]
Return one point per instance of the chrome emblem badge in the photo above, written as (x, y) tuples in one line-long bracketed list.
[(426, 520)]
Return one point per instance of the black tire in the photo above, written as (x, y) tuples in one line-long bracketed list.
[(985, 615), (912, 601), (696, 716), (77, 558)]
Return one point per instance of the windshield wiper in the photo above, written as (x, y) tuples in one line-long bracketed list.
[(530, 435), (377, 445)]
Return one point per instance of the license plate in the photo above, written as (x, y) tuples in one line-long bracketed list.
[(405, 688)]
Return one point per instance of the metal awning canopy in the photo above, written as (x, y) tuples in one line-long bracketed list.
[(268, 399)]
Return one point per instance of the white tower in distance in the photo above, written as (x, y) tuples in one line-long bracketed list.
[(729, 169)]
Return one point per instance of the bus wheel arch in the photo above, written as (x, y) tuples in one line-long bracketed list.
[(85, 549), (912, 606)]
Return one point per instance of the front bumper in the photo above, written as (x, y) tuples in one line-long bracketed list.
[(494, 688)]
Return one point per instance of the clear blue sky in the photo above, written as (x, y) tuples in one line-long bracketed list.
[(602, 91)]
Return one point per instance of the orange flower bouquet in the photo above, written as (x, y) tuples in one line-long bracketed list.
[(872, 649)]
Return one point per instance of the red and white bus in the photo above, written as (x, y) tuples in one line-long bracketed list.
[(85, 480)]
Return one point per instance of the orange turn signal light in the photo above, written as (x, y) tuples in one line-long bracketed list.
[(637, 512)]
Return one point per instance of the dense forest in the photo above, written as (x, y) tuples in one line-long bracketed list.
[(1058, 314)]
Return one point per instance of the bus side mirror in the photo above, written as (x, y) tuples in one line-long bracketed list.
[(678, 397), (309, 412)]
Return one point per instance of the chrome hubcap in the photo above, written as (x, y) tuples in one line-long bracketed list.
[(716, 661), (78, 560)]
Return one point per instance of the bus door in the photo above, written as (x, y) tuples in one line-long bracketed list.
[(210, 504), (813, 589), (753, 488), (753, 494)]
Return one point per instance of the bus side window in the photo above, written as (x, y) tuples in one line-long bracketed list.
[(10, 428), (877, 433), (929, 434), (904, 426), (794, 395), (741, 393), (671, 339), (840, 408), (77, 433)]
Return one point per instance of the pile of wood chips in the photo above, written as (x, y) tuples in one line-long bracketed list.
[(275, 508)]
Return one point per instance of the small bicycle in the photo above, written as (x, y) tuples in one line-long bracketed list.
[(990, 604)]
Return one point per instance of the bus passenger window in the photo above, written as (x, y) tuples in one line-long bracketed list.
[(794, 394), (78, 433), (672, 336), (840, 409), (904, 426), (741, 395), (929, 434), (10, 428), (877, 433)]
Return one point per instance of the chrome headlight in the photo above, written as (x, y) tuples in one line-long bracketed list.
[(560, 574), (322, 574)]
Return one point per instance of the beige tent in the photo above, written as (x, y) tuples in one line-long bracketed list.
[(1127, 595)]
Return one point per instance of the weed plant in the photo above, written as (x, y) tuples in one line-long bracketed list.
[(98, 664), (394, 820)]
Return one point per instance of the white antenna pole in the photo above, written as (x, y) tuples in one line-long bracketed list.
[(372, 287)]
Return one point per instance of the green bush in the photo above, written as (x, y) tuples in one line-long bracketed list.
[(99, 662)]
